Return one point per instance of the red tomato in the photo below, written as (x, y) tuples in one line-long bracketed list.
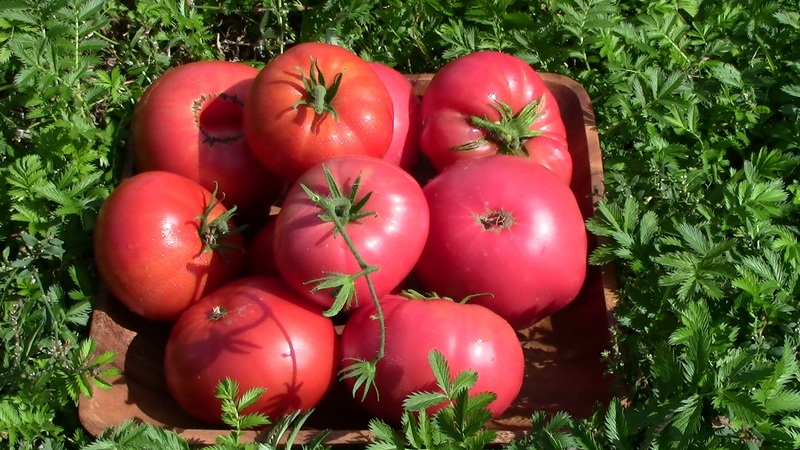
[(150, 247), (462, 114), (306, 248), (469, 336), (503, 226), (261, 252), (258, 332), (296, 117), (404, 148), (189, 121)]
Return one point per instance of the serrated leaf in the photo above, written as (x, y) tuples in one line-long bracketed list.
[(615, 423), (787, 401), (423, 400), (464, 380), (253, 420), (791, 89), (742, 407), (249, 397), (440, 368), (382, 430), (687, 415), (727, 74)]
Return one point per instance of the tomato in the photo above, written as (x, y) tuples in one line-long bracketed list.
[(505, 227), (314, 102), (404, 148), (306, 247), (261, 251), (258, 332), (469, 336), (152, 251), (487, 103), (189, 121)]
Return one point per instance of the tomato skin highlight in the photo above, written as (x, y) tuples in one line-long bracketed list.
[(404, 148), (189, 122), (289, 138), (472, 85), (148, 249), (306, 248), (503, 226), (266, 337), (469, 336)]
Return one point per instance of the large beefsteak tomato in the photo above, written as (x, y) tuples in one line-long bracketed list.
[(314, 102), (161, 241), (389, 233), (505, 227), (469, 336), (260, 333), (487, 103), (189, 121)]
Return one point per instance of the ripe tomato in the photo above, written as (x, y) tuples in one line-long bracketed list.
[(189, 121), (258, 332), (469, 336), (154, 253), (306, 247), (487, 103), (404, 148), (505, 227), (312, 103)]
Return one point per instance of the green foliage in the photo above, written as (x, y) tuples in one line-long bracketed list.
[(697, 107), (459, 423)]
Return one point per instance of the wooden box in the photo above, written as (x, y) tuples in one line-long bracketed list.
[(564, 367)]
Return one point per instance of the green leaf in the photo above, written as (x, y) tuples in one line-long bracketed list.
[(783, 402), (441, 371), (423, 400), (688, 414), (742, 407)]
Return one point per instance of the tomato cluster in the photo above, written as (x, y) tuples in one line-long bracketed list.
[(353, 190)]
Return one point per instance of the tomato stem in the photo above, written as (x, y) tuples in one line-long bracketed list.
[(317, 95), (511, 131), (341, 209), (213, 232)]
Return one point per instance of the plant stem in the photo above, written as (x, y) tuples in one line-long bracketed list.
[(331, 210)]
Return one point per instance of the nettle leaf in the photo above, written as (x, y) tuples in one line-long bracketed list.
[(631, 232), (423, 400), (694, 337), (615, 425), (727, 73), (789, 18), (688, 414), (385, 436), (783, 402), (703, 270), (743, 408), (667, 372), (791, 89)]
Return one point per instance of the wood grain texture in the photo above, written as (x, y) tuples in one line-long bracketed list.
[(564, 370)]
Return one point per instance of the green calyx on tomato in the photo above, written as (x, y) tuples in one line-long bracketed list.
[(414, 294), (319, 97), (511, 131), (337, 206), (214, 231)]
